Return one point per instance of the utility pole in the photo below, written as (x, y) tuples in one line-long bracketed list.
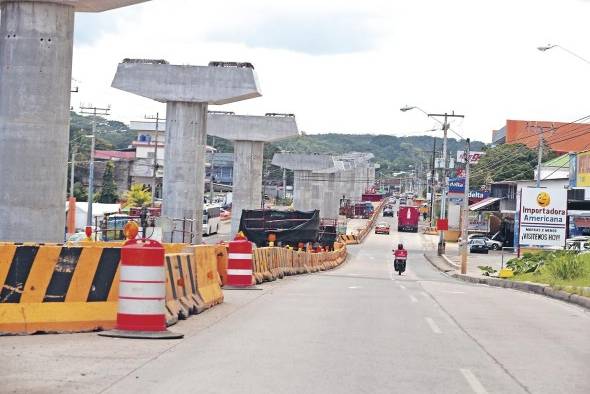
[(94, 111), (444, 186), (284, 183), (465, 213), (71, 219), (74, 152), (540, 130), (432, 185), (211, 189), (155, 164)]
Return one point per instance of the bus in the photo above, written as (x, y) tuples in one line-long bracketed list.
[(211, 215)]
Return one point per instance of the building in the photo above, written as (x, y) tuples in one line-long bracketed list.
[(151, 136), (560, 137), (223, 167), (558, 168), (123, 160)]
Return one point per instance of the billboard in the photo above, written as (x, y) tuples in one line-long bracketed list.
[(456, 185), (474, 157), (543, 214), (583, 169), (476, 195)]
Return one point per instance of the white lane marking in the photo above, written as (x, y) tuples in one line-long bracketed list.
[(413, 299), (455, 292), (354, 287), (433, 326), (475, 384), (424, 294), (402, 287)]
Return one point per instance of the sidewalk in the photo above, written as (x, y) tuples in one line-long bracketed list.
[(492, 259), (450, 264)]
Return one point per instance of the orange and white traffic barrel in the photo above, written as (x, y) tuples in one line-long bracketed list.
[(239, 265), (142, 292)]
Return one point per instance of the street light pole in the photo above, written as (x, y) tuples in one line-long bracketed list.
[(443, 205), (548, 47), (465, 215)]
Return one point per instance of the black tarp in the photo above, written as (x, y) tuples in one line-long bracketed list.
[(290, 227)]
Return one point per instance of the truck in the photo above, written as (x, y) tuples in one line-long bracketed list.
[(407, 219)]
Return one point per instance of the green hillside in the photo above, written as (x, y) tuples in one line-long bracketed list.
[(391, 152)]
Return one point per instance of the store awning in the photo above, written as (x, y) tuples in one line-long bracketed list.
[(479, 206)]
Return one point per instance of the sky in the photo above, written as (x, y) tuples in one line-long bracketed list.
[(349, 66)]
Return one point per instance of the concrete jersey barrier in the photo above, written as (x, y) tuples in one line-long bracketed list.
[(54, 288)]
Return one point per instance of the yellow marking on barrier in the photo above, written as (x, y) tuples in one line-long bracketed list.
[(6, 255), (114, 290), (40, 275), (84, 274), (207, 276), (57, 317)]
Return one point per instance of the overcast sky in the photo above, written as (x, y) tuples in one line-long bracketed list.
[(348, 66)]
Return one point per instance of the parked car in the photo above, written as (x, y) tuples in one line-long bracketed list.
[(492, 244), (388, 211), (478, 245), (579, 244), (382, 228)]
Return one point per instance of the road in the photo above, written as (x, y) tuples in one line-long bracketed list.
[(356, 329), (222, 235)]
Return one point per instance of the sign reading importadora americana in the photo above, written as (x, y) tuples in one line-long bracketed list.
[(543, 214), (583, 169)]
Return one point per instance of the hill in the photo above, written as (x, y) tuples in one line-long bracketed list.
[(391, 152)]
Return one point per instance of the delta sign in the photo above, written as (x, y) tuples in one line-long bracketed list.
[(543, 214)]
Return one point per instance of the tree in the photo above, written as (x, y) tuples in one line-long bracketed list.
[(80, 192), (507, 162), (138, 196), (108, 193)]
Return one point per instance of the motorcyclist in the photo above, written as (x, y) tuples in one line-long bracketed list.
[(400, 257)]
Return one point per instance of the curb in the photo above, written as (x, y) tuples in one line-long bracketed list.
[(449, 261), (535, 288), (528, 287), (432, 260)]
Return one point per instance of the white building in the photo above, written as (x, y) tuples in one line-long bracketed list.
[(150, 135)]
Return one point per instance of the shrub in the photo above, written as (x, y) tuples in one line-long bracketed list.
[(567, 266)]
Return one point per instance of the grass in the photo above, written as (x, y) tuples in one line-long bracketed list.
[(570, 273)]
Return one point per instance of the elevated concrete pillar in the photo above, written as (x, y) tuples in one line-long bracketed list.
[(249, 134), (247, 190), (188, 90), (186, 142), (302, 185), (36, 41)]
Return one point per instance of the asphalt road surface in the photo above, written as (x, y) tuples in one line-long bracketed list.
[(222, 235), (357, 329)]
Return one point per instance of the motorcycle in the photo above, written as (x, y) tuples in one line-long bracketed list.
[(399, 265)]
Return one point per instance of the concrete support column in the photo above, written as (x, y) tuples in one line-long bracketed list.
[(35, 80), (302, 190), (247, 190), (331, 200), (184, 165)]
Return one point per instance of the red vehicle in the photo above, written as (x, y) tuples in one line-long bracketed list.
[(407, 219), (382, 228)]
